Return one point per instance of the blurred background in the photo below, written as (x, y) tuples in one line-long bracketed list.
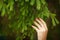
[(54, 6), (53, 33)]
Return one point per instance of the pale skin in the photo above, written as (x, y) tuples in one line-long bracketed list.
[(41, 29)]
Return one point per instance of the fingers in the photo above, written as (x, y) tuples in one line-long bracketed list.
[(40, 24), (44, 24), (35, 27)]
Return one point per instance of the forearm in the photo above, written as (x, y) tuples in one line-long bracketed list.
[(42, 36)]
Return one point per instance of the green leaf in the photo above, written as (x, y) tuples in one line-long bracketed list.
[(41, 15), (25, 27), (3, 12), (31, 37), (22, 29), (38, 4), (27, 0), (11, 8), (56, 21), (19, 24), (22, 3), (53, 22), (43, 2), (16, 0), (8, 5), (46, 12), (21, 9), (9, 17), (11, 5), (1, 5), (53, 19), (32, 2), (18, 38), (23, 12), (5, 0), (53, 15)]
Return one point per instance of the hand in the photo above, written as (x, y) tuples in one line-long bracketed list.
[(41, 29)]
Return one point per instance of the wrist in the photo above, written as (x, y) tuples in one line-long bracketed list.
[(42, 36)]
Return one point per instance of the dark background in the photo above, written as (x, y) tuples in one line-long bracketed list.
[(54, 7)]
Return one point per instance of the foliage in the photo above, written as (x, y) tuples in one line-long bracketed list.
[(20, 14)]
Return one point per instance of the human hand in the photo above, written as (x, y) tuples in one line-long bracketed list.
[(41, 29)]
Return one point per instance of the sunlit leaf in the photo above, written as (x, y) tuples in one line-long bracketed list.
[(38, 4), (53, 22), (43, 2), (27, 0), (32, 2), (3, 12), (56, 21)]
